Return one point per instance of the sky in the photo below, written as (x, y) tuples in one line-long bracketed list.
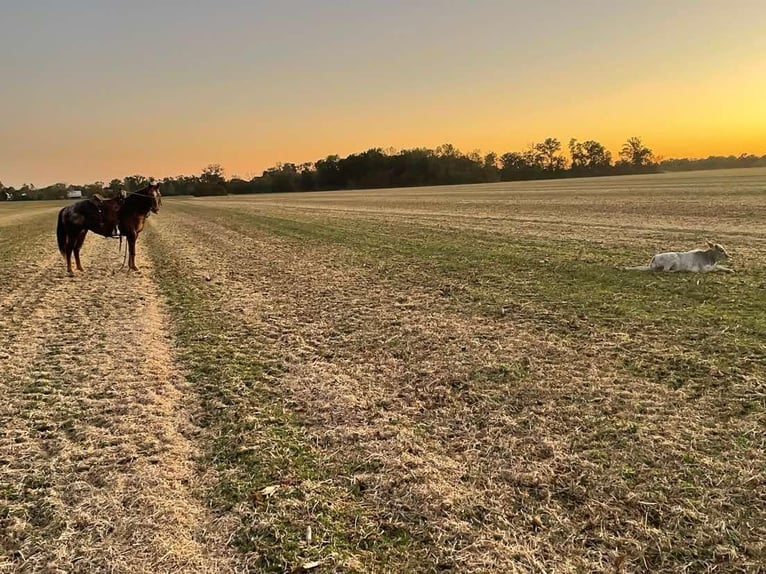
[(99, 89)]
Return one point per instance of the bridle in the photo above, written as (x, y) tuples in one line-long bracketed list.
[(155, 195)]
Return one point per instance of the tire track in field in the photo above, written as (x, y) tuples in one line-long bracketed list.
[(97, 467)]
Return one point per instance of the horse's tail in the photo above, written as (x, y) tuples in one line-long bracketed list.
[(61, 234)]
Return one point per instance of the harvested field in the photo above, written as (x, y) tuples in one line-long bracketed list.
[(435, 379)]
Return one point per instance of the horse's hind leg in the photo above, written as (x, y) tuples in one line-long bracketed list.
[(77, 246)]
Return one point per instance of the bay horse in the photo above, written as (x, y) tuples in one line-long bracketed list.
[(126, 212)]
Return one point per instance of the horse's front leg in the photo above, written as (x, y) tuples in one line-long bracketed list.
[(132, 252)]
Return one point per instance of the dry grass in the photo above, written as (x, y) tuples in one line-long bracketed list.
[(460, 379)]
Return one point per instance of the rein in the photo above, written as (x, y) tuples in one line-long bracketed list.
[(127, 193)]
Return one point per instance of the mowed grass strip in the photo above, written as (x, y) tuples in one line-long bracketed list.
[(292, 505)]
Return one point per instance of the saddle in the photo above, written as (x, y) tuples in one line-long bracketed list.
[(108, 213)]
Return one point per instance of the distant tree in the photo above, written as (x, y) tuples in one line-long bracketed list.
[(589, 157), (633, 152), (186, 184), (55, 191), (491, 159), (284, 177), (237, 185), (90, 189), (328, 174), (413, 167), (308, 180), (713, 162), (135, 182), (447, 150), (475, 157), (491, 167), (577, 155), (115, 185), (213, 174), (25, 191), (370, 168), (211, 181), (168, 186), (548, 155), (444, 165), (515, 165)]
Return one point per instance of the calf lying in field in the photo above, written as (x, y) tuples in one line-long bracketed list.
[(696, 261)]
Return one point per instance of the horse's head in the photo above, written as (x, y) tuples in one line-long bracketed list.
[(153, 191)]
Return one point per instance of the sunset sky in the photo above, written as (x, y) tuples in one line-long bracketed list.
[(97, 89)]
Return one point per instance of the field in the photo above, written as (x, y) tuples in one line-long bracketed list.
[(455, 379)]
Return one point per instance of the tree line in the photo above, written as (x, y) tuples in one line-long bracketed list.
[(378, 168)]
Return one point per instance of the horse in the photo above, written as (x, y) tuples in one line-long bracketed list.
[(96, 214), (126, 213), (137, 206)]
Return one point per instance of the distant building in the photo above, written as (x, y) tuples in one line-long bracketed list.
[(74, 194)]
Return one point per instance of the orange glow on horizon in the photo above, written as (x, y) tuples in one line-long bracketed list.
[(693, 88)]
